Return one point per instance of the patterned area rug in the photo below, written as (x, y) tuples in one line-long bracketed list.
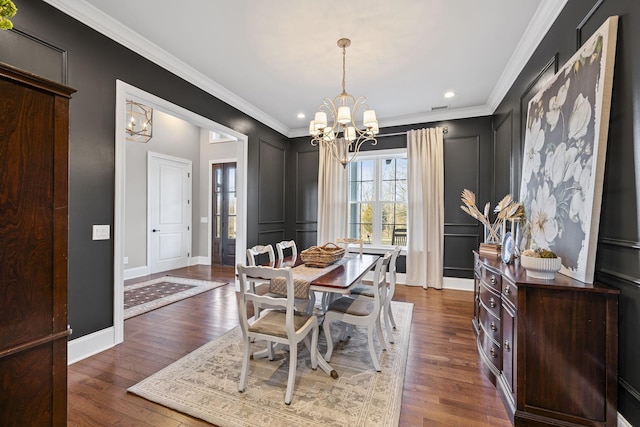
[(146, 296), (204, 383)]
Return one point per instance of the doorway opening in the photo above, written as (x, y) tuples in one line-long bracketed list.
[(239, 156)]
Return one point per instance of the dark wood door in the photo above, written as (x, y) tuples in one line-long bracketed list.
[(223, 239)]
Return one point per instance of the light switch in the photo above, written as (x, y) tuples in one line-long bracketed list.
[(204, 220), (101, 232)]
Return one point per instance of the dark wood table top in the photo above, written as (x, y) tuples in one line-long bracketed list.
[(352, 268)]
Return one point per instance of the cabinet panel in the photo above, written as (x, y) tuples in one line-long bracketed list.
[(34, 139)]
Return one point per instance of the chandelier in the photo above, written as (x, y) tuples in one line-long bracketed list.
[(341, 135)]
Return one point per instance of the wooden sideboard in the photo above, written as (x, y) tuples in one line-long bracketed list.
[(34, 140), (549, 346)]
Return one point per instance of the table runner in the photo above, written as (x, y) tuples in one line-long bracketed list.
[(302, 278)]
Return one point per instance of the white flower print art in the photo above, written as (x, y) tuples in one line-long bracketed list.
[(564, 153)]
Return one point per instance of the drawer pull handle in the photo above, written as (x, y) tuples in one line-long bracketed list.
[(492, 302), (507, 346), (493, 279), (507, 290), (493, 327), (493, 353)]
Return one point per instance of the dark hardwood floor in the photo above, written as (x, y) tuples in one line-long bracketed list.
[(444, 385)]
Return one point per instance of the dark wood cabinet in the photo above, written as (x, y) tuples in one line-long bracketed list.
[(550, 346), (34, 139)]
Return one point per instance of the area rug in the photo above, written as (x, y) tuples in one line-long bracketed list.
[(204, 384), (146, 296)]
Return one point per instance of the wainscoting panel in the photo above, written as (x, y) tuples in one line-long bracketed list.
[(458, 256), (306, 238), (503, 179), (306, 182), (22, 50), (461, 170), (271, 175), (271, 237)]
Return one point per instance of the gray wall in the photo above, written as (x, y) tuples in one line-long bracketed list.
[(172, 137), (91, 63), (618, 256)]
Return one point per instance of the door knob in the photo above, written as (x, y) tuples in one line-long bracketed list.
[(154, 230)]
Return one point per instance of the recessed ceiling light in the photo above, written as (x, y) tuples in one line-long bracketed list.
[(449, 94), (301, 115)]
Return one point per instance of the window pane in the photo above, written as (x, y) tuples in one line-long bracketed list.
[(394, 215), (232, 227), (361, 180), (216, 219), (231, 178), (394, 179), (232, 203), (361, 221)]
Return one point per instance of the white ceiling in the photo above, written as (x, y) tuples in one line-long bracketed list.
[(274, 59)]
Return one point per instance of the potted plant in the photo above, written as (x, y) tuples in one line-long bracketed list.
[(7, 10)]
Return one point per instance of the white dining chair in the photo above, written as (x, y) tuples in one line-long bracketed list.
[(283, 324), (284, 245), (366, 290), (302, 303), (361, 311)]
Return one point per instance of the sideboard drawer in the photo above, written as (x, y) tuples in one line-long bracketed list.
[(490, 300), (493, 280), (491, 350), (491, 325)]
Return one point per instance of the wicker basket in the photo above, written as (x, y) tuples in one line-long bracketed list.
[(322, 256)]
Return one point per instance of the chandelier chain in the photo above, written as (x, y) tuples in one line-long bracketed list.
[(344, 69)]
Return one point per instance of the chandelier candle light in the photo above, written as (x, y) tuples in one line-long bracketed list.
[(342, 136)]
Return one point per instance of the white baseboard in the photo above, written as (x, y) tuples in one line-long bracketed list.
[(200, 260), (91, 344), (132, 273), (457, 283), (622, 422)]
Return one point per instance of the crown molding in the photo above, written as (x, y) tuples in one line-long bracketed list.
[(427, 117), (544, 17), (104, 24), (542, 20)]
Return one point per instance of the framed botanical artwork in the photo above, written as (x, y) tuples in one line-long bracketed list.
[(564, 154)]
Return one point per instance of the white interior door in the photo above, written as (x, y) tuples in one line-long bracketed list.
[(169, 205)]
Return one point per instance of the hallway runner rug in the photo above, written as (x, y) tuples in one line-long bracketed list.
[(145, 296), (204, 383)]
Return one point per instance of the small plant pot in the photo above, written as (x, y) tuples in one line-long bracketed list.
[(541, 268)]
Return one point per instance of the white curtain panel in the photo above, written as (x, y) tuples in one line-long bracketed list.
[(425, 216), (332, 198)]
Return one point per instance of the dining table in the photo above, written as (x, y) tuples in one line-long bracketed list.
[(337, 278)]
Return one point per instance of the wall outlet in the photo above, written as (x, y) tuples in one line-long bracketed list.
[(125, 261), (101, 232)]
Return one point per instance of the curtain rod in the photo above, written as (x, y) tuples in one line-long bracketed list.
[(444, 130)]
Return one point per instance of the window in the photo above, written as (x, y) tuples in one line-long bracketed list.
[(378, 196)]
